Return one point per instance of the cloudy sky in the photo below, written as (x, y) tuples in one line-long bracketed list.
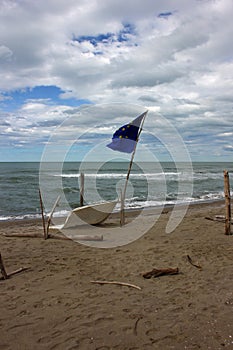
[(83, 68)]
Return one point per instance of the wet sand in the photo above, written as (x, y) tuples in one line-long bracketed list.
[(54, 305)]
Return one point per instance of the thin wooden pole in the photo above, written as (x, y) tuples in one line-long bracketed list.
[(42, 215), (2, 268), (122, 218), (227, 203), (21, 269), (81, 189), (51, 214)]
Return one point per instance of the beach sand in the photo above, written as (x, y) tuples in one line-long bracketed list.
[(53, 305)]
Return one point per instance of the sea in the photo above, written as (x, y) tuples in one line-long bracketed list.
[(149, 185)]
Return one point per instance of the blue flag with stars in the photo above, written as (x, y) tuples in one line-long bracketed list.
[(125, 138)]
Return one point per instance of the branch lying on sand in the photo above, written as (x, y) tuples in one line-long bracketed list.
[(136, 325), (118, 283), (32, 235), (77, 237), (217, 218), (161, 272), (6, 275), (21, 269), (55, 236), (192, 263)]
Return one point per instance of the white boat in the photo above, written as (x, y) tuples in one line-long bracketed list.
[(89, 214)]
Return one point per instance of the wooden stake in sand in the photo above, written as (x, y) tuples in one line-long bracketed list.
[(2, 268), (42, 215), (46, 228), (122, 216), (227, 203), (81, 189), (3, 271)]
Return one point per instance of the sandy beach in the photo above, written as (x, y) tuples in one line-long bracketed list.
[(54, 305)]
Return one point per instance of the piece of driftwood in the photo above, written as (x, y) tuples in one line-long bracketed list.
[(54, 236), (21, 269), (220, 217), (214, 219), (192, 263), (77, 237), (136, 325), (2, 268), (118, 283), (161, 272), (23, 234), (6, 275), (217, 218), (88, 238), (58, 236)]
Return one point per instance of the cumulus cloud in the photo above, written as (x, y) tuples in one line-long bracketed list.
[(173, 58)]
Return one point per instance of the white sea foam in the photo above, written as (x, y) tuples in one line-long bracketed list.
[(120, 175)]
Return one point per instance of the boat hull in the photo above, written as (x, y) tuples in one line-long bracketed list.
[(90, 214)]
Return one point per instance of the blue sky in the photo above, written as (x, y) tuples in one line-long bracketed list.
[(13, 101), (79, 70)]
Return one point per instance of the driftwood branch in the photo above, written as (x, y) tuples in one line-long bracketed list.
[(217, 218), (77, 237), (8, 275), (58, 236), (214, 219), (136, 325), (88, 238), (54, 236), (192, 263), (21, 269), (23, 234), (161, 272), (118, 283)]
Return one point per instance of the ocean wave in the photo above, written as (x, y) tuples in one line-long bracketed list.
[(19, 217), (150, 187), (123, 175), (133, 203)]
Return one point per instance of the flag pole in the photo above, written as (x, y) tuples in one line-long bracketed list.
[(122, 216)]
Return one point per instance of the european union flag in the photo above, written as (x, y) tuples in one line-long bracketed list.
[(125, 138)]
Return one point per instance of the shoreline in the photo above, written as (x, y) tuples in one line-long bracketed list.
[(131, 211)]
